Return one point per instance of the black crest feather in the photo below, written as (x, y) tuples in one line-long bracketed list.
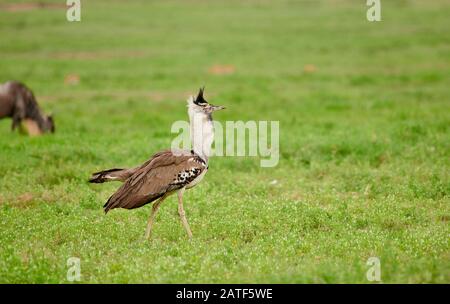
[(199, 100)]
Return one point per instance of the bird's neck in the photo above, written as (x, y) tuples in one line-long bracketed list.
[(202, 134)]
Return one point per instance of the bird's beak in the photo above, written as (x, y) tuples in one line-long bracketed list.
[(217, 108)]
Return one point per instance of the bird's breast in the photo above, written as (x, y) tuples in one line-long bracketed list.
[(197, 179)]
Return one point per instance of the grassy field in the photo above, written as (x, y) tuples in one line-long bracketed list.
[(364, 113)]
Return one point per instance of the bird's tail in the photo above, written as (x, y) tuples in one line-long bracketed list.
[(110, 175)]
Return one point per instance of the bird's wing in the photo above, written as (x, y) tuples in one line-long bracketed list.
[(163, 173)]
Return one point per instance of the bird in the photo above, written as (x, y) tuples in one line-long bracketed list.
[(167, 172)]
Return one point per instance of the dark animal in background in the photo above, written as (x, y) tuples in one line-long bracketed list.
[(18, 102)]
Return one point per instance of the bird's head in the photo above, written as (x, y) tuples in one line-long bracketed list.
[(199, 104)]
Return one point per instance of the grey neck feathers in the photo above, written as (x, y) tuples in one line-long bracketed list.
[(202, 134)]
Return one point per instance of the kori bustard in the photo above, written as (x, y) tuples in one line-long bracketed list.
[(168, 171)]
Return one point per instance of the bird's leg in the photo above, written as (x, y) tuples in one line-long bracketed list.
[(182, 213), (151, 219)]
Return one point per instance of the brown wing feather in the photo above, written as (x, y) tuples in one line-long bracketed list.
[(155, 178)]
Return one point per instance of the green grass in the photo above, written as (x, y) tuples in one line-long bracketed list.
[(364, 141)]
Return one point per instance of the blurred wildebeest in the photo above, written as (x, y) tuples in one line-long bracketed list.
[(18, 102)]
